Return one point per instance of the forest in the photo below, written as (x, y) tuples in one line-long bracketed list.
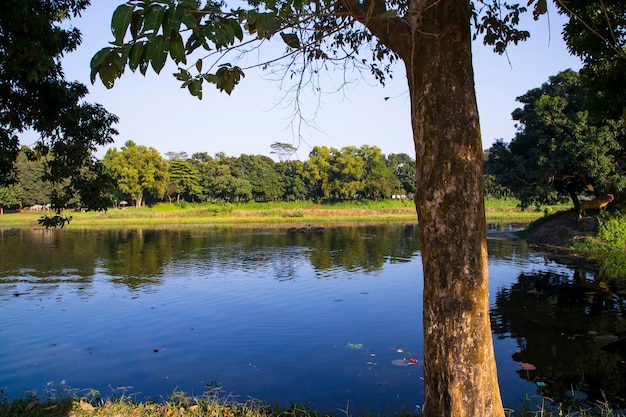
[(141, 175)]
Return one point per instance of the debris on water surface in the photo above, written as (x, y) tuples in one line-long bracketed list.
[(354, 345), (404, 362)]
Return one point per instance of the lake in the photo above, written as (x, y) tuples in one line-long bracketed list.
[(325, 316)]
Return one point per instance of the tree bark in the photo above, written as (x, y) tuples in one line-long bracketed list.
[(459, 365), (434, 41)]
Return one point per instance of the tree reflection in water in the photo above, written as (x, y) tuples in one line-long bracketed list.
[(570, 330)]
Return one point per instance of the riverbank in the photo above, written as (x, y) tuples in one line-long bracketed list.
[(181, 405), (271, 215)]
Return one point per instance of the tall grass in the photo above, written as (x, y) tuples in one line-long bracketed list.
[(215, 404)]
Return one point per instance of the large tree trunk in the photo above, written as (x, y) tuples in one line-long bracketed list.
[(434, 41), (459, 365)]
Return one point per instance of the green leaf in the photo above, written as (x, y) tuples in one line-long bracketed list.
[(267, 25), (136, 23), (120, 21), (184, 15), (291, 39), (235, 28), (182, 75), (199, 65), (100, 56), (226, 77), (177, 49), (195, 88), (158, 53), (154, 18), (135, 56)]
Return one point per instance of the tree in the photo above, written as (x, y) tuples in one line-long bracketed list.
[(596, 33), (284, 150), (35, 95), (379, 180), (403, 167), (291, 174), (346, 173), (559, 149), (9, 196), (29, 175), (138, 170), (184, 177), (264, 179), (433, 40), (317, 172), (205, 165)]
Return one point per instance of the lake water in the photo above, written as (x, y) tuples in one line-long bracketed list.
[(330, 317)]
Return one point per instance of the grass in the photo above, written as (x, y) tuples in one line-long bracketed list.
[(269, 214), (213, 404)]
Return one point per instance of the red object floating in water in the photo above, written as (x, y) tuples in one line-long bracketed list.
[(527, 366), (413, 360)]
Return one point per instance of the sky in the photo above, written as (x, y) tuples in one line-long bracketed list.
[(154, 111)]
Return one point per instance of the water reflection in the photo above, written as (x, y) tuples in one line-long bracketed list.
[(261, 309), (570, 330)]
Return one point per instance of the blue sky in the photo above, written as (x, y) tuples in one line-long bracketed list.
[(154, 111)]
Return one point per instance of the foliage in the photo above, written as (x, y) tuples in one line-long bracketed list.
[(559, 149), (138, 169), (612, 230), (35, 95), (596, 33), (184, 179), (9, 196)]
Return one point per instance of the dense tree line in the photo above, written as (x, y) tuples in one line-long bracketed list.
[(143, 174), (349, 173)]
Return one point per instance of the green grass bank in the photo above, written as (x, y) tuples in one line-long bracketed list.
[(273, 214)]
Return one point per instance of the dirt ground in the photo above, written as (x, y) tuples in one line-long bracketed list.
[(563, 229)]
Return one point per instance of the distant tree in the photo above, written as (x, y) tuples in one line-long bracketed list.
[(226, 184), (30, 171), (260, 172), (206, 166), (559, 149), (317, 172), (346, 173), (9, 196), (291, 173), (184, 177), (283, 150), (379, 180), (403, 167), (138, 170), (35, 95)]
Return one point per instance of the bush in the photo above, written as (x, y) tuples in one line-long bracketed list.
[(612, 230)]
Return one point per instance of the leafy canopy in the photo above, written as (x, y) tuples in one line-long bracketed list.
[(559, 149), (35, 95), (190, 32)]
